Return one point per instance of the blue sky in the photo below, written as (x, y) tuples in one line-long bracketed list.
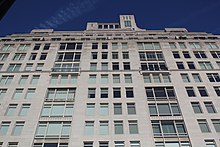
[(195, 15)]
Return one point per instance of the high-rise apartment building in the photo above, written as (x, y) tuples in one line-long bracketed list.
[(112, 85)]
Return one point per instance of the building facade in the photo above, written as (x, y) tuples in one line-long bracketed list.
[(112, 85)]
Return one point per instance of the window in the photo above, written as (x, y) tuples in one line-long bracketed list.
[(23, 79), (114, 45), (117, 92), (124, 45), (129, 92), (153, 66), (131, 108), (14, 67), (151, 56), (37, 46), (104, 129), (19, 56), (68, 57), (93, 66), (43, 56), (94, 45), (35, 79), (88, 144), (103, 144), (186, 54), (196, 107), (125, 55), (104, 45), (180, 65), (2, 93), (196, 77), (160, 93), (210, 107), (119, 144), (200, 54), (203, 126), (216, 124), (191, 65), (11, 110), (90, 109), (213, 77), (18, 128), (71, 46), (30, 93), (46, 46), (117, 109), (215, 54), (94, 55), (6, 80), (156, 78), (28, 66), (116, 78), (61, 94), (114, 55), (33, 56), (91, 92), (17, 94), (148, 45), (7, 47), (4, 128), (64, 79), (210, 143), (126, 65), (104, 55), (50, 144), (57, 110), (53, 129), (24, 47), (147, 78), (1, 65), (173, 144), (205, 65), (104, 93), (115, 66), (24, 109), (92, 79), (176, 54), (104, 66), (195, 45), (133, 127), (202, 91), (190, 92), (211, 45), (135, 144), (168, 128), (118, 125), (182, 45), (104, 79), (127, 23), (185, 78), (103, 109), (217, 90), (89, 128), (12, 144), (172, 45), (39, 66), (128, 78), (164, 109), (3, 56)]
